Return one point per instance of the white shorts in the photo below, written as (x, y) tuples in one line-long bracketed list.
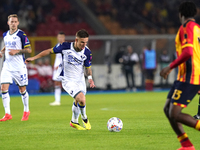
[(20, 77), (73, 88)]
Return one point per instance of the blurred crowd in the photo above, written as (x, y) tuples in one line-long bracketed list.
[(138, 14), (42, 71), (32, 13)]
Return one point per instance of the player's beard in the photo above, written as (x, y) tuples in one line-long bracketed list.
[(13, 28), (76, 48)]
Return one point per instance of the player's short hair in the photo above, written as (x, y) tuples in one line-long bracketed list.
[(82, 33), (187, 9), (61, 33), (12, 15)]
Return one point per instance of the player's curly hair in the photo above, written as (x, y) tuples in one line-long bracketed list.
[(187, 9), (82, 33)]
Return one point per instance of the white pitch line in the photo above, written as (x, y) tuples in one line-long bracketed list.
[(104, 109)]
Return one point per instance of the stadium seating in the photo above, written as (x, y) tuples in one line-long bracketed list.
[(47, 21), (137, 17)]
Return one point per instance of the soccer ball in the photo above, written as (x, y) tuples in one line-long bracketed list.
[(114, 124)]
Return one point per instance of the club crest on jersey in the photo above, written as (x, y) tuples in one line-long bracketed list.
[(83, 57)]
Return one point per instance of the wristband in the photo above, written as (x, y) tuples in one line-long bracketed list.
[(89, 77)]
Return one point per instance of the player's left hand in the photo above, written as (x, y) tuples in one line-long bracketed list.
[(13, 52), (165, 72), (91, 83)]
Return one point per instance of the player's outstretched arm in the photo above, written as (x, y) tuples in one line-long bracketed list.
[(89, 74), (41, 54)]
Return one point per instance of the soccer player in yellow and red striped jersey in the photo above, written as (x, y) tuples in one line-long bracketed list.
[(188, 79)]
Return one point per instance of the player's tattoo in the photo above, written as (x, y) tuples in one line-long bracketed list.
[(25, 50), (88, 71)]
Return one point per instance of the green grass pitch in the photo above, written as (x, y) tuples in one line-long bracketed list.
[(145, 126)]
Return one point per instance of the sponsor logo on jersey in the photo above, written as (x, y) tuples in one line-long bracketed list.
[(10, 43), (57, 45), (73, 60), (26, 40), (83, 57)]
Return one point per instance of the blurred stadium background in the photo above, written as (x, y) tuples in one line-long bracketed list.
[(112, 25)]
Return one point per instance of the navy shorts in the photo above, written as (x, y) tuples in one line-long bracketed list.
[(182, 93)]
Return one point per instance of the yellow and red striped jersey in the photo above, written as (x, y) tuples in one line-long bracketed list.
[(189, 36)]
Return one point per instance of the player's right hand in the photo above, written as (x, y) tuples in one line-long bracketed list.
[(1, 55), (91, 82), (165, 72), (29, 60)]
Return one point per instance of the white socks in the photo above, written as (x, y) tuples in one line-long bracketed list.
[(25, 99), (75, 113), (57, 93), (83, 111), (6, 101)]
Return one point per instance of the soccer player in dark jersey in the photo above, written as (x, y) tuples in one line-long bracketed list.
[(188, 79)]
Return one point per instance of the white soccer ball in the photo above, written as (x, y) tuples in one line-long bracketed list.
[(114, 124)]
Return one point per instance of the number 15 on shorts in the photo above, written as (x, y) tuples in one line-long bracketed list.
[(23, 77)]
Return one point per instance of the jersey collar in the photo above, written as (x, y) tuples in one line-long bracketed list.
[(191, 19), (13, 33), (72, 47)]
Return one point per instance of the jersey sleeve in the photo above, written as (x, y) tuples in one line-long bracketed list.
[(59, 47), (24, 39), (186, 35), (4, 34), (88, 61)]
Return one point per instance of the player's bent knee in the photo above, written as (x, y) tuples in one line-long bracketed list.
[(22, 89), (82, 103), (4, 89), (80, 98)]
